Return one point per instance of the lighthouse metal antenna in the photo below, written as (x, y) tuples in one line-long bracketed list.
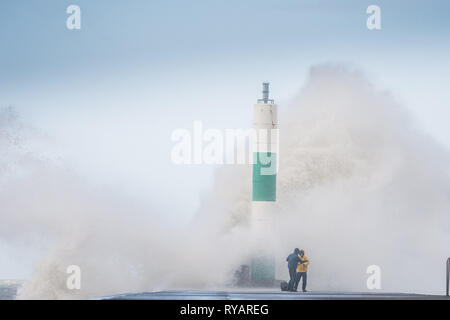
[(265, 92)]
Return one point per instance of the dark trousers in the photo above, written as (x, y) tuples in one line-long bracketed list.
[(299, 276), (293, 278)]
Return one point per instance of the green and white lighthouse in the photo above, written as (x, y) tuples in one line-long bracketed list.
[(264, 187)]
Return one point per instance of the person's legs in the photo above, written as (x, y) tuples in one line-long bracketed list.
[(292, 279), (304, 276), (299, 277), (297, 280)]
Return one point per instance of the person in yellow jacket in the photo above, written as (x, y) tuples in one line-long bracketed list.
[(302, 269)]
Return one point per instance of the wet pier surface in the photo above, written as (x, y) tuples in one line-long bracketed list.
[(271, 295)]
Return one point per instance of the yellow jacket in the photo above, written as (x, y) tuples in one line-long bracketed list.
[(303, 267)]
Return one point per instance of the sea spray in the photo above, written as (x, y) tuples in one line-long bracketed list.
[(358, 185)]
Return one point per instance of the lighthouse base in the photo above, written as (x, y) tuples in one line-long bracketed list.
[(263, 262), (263, 271)]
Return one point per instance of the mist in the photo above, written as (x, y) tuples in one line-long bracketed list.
[(359, 184)]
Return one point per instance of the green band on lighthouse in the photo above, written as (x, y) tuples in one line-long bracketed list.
[(264, 176)]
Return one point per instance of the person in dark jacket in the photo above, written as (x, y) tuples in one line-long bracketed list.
[(293, 260)]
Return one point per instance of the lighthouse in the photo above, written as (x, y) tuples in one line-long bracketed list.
[(264, 187)]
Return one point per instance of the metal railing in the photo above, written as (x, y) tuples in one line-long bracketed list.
[(448, 275)]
